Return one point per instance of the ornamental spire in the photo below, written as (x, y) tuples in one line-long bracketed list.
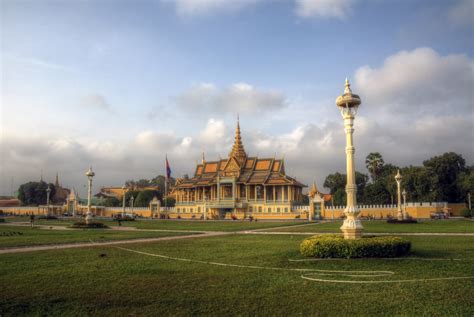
[(347, 90), (238, 151), (56, 183)]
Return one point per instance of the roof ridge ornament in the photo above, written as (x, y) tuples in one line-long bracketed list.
[(347, 89)]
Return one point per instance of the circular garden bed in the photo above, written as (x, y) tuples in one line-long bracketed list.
[(335, 246)]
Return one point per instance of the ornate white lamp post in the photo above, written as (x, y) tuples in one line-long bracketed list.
[(124, 188), (398, 179), (48, 192), (405, 214), (348, 103), (90, 174)]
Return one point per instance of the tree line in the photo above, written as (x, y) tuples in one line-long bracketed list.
[(441, 178)]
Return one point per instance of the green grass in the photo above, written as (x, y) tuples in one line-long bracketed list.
[(211, 225), (441, 226), (81, 282), (14, 236)]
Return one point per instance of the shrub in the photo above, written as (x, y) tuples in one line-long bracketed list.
[(466, 213), (335, 246), (409, 220), (47, 217), (2, 220), (90, 225)]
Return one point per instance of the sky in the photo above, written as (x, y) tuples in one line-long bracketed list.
[(118, 85)]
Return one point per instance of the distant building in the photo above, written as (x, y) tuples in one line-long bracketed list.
[(238, 184)]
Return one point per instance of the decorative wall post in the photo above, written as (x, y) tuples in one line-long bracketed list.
[(348, 103), (398, 179), (90, 174), (405, 214), (124, 188), (48, 192)]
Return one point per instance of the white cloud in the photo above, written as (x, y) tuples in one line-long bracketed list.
[(323, 8), (203, 7), (237, 98), (418, 82), (96, 101)]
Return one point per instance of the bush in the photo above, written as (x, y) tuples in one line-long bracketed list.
[(335, 246), (48, 217), (409, 220), (466, 213), (2, 219), (90, 225)]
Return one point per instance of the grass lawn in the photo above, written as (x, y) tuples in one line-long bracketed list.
[(80, 282), (14, 236), (442, 226), (211, 225)]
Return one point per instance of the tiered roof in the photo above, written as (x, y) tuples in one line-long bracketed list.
[(247, 170)]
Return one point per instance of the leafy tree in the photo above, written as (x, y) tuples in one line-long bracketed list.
[(419, 184), (169, 202), (337, 185), (376, 194), (111, 202), (374, 163), (34, 193), (447, 167), (128, 196), (466, 182), (144, 197)]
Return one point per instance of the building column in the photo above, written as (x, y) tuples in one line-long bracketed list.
[(218, 189), (274, 193), (255, 190), (264, 193)]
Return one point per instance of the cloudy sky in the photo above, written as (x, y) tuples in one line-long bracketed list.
[(120, 84)]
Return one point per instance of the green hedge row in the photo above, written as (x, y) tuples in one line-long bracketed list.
[(335, 246), (90, 225)]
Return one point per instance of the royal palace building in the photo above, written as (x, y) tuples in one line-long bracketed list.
[(239, 185)]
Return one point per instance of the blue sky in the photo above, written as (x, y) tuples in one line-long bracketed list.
[(118, 84)]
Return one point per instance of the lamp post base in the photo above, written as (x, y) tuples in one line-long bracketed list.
[(352, 227), (400, 215), (88, 217), (351, 233)]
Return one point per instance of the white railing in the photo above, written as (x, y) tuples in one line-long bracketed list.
[(394, 206), (300, 208)]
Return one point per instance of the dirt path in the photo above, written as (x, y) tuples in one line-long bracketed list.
[(100, 244)]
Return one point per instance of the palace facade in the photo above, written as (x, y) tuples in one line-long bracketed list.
[(237, 185)]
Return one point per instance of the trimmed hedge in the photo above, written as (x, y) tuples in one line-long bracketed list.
[(48, 217), (335, 246), (90, 225), (409, 220)]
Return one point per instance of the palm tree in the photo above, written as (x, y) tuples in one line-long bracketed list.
[(374, 162)]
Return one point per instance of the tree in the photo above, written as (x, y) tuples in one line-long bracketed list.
[(34, 193), (376, 194), (447, 168), (466, 182), (128, 196), (111, 202), (144, 197), (374, 163), (419, 184), (337, 185)]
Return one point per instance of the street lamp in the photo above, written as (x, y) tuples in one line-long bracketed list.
[(124, 188), (205, 207), (90, 174), (404, 194), (131, 204), (398, 179), (348, 103), (48, 192)]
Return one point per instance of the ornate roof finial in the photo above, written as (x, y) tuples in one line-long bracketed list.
[(238, 151), (203, 158), (56, 183), (347, 90), (41, 177)]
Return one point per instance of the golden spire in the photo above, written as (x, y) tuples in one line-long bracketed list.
[(57, 180), (238, 151), (203, 158), (313, 191)]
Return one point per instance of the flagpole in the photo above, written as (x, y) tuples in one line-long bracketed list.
[(166, 181)]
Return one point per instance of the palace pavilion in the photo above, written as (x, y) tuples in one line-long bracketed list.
[(239, 185)]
